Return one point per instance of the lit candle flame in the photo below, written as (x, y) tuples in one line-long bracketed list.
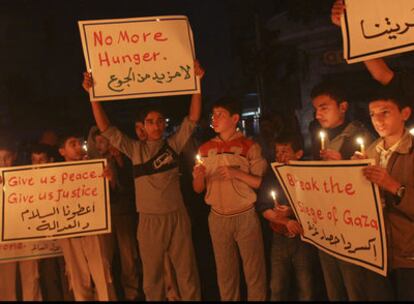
[(412, 131), (322, 135), (360, 142), (199, 160), (273, 194)]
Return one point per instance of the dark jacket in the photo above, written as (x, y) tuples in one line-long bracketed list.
[(399, 214)]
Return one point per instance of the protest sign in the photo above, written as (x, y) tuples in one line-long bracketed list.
[(139, 57), (339, 209), (377, 28), (12, 252), (52, 201)]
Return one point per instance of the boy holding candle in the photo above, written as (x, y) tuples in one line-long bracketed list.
[(230, 169), (290, 257), (394, 174), (342, 279)]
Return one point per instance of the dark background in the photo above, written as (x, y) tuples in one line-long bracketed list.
[(42, 61)]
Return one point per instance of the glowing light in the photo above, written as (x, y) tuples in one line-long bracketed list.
[(199, 160), (273, 194), (322, 135), (360, 142)]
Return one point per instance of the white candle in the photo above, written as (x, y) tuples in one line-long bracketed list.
[(273, 195), (360, 141), (322, 135)]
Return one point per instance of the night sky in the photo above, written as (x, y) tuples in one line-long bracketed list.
[(42, 60)]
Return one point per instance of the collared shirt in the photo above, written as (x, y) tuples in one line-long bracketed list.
[(385, 154)]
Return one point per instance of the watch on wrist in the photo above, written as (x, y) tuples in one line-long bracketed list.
[(400, 191)]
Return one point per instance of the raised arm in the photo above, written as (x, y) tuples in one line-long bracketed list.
[(378, 69), (195, 106), (101, 119)]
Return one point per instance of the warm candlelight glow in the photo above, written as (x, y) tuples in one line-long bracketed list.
[(322, 135), (360, 142), (273, 194), (199, 160), (412, 131)]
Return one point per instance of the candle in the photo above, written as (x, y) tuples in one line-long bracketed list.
[(360, 141), (322, 135), (273, 194), (199, 160), (412, 131)]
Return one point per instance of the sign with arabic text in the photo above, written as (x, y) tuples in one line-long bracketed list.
[(377, 28), (13, 252), (52, 201), (339, 209), (139, 57)]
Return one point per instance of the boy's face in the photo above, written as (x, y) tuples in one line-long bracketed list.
[(140, 131), (102, 144), (328, 112), (72, 149), (154, 125), (285, 153), (40, 158), (222, 120), (7, 158), (387, 119)]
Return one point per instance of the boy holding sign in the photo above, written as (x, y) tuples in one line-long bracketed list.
[(230, 168), (29, 270), (289, 255), (342, 279), (164, 225), (87, 258), (393, 173)]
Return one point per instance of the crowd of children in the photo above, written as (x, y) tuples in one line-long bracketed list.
[(157, 258)]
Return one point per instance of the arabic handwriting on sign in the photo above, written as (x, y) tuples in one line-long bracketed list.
[(186, 69), (51, 223), (368, 247), (119, 84), (388, 29)]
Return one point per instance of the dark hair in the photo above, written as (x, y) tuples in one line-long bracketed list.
[(294, 139), (65, 136), (150, 108), (388, 93), (330, 88), (230, 103), (39, 148)]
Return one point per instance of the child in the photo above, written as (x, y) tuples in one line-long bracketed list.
[(164, 225), (123, 216), (290, 257), (52, 270), (29, 270), (344, 281), (87, 258), (232, 168), (394, 174)]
